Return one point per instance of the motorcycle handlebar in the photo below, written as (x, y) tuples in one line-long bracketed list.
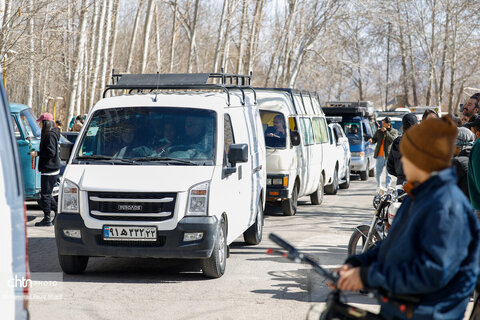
[(295, 255)]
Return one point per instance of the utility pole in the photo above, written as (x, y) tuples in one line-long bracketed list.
[(388, 64)]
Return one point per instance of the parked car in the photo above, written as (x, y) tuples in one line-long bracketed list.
[(339, 159), (14, 271), (178, 174), (358, 124), (295, 159), (28, 133)]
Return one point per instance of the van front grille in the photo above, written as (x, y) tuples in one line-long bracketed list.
[(131, 206)]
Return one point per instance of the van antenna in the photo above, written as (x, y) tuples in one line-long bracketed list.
[(156, 90)]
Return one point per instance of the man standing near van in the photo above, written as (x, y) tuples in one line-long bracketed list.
[(383, 137)]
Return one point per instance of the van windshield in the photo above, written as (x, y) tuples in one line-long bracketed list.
[(353, 132), (274, 129), (150, 134)]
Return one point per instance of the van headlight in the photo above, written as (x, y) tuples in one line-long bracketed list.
[(70, 197), (197, 204)]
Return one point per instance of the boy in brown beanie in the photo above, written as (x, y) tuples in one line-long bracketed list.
[(432, 248)]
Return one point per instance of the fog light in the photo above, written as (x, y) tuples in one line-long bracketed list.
[(72, 233), (194, 236)]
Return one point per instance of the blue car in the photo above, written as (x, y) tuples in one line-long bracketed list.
[(28, 133)]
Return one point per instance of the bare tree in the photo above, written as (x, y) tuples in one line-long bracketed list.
[(134, 36)]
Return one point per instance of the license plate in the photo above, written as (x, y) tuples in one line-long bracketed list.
[(130, 233)]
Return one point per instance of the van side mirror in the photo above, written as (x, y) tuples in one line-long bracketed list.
[(294, 138), (65, 150), (238, 153)]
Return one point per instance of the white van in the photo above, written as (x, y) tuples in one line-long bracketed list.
[(171, 173), (295, 136), (14, 271)]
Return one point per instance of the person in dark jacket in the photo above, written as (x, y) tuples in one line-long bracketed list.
[(432, 249), (383, 137), (48, 165), (465, 139), (394, 165)]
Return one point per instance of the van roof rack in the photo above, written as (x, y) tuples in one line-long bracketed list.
[(173, 81)]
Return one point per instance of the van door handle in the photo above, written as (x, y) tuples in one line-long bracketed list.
[(257, 169)]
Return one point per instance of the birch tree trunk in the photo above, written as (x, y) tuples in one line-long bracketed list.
[(220, 36), (134, 36), (108, 40), (431, 63), (174, 36), (444, 54), (241, 39), (99, 46), (82, 37), (413, 73), (254, 35), (31, 65), (114, 36), (146, 34), (157, 38), (192, 39)]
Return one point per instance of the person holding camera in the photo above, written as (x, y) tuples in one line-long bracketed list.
[(383, 137)]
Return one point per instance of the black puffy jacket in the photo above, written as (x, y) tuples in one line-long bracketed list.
[(460, 163), (394, 165), (49, 156)]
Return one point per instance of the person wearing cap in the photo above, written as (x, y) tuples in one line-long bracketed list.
[(394, 165), (463, 146), (383, 137), (473, 173), (48, 165), (432, 248)]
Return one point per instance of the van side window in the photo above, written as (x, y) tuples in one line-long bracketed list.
[(307, 131), (323, 129), (330, 135), (18, 135), (227, 133), (337, 133), (317, 131)]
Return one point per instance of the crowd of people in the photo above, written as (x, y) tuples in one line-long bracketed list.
[(432, 249)]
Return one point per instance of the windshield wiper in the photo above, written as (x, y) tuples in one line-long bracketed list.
[(165, 159), (109, 158)]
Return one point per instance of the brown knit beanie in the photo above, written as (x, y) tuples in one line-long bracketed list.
[(430, 144)]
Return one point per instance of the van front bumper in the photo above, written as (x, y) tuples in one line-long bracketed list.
[(358, 164), (276, 193), (169, 243)]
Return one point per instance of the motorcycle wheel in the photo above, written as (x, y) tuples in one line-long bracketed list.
[(358, 239)]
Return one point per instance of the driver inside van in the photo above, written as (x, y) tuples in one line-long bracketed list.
[(278, 129), (129, 146)]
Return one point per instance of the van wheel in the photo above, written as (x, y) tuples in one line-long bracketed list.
[(317, 197), (333, 188), (289, 206), (371, 172), (346, 184), (73, 264), (214, 267), (253, 235)]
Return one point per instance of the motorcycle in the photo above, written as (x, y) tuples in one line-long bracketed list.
[(335, 308), (385, 210)]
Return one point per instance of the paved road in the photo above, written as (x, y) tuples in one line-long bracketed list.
[(255, 285)]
